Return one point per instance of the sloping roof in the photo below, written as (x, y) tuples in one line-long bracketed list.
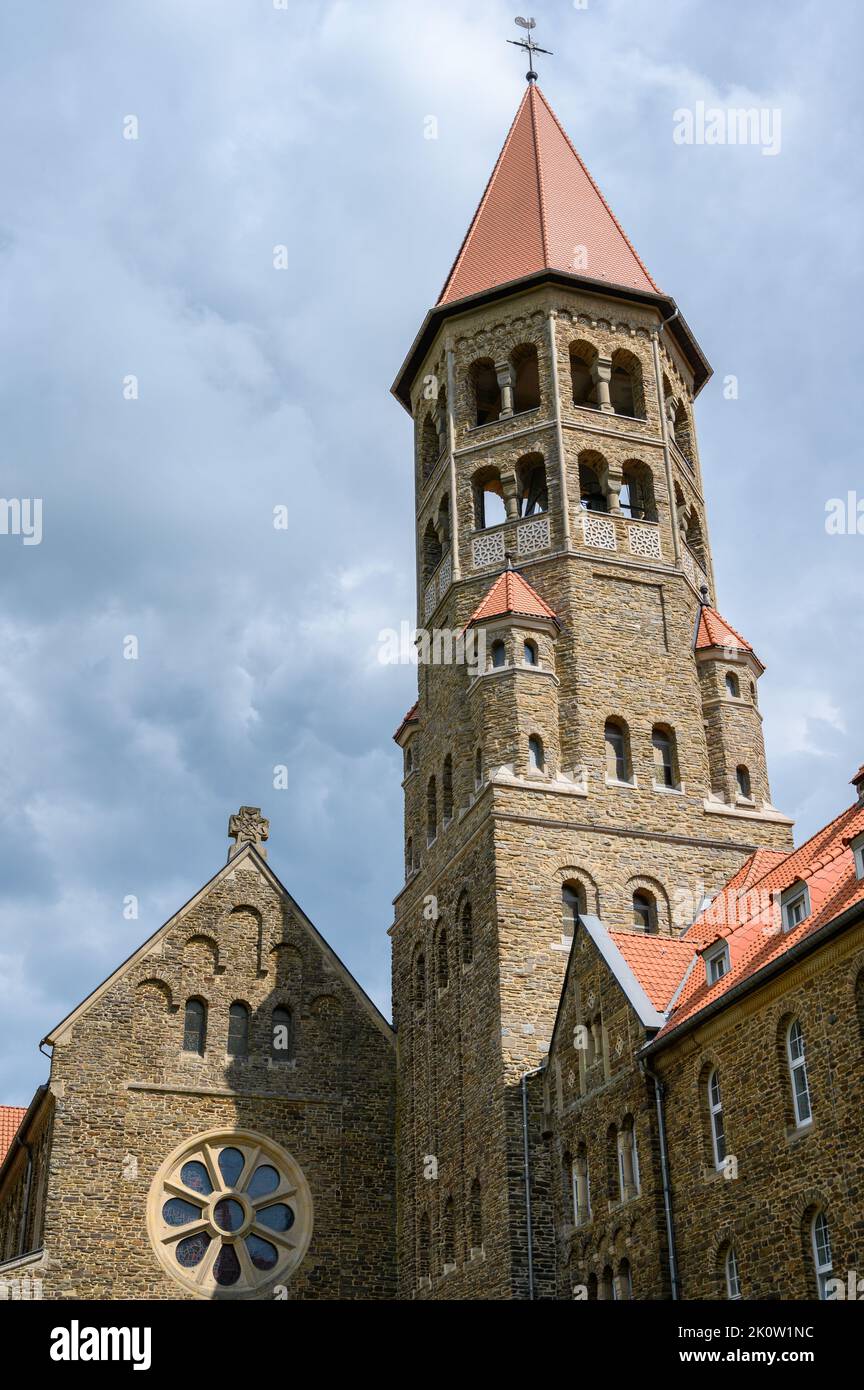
[(714, 631), (747, 911), (511, 594), (539, 206), (10, 1118), (658, 962), (412, 717)]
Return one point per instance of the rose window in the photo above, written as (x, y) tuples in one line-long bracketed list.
[(229, 1213)]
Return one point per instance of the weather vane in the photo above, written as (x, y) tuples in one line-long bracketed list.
[(529, 45)]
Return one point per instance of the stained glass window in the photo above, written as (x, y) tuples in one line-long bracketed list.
[(221, 1208)]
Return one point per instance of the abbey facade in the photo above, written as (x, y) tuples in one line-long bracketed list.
[(623, 1007)]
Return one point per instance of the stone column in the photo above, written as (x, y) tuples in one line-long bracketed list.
[(510, 488), (614, 482), (505, 381), (602, 374)]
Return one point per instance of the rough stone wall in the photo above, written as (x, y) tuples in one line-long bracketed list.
[(783, 1173), (126, 1095), (25, 1187), (733, 729), (582, 1100)]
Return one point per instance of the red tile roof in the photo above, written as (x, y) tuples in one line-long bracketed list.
[(10, 1118), (411, 717), (658, 962), (747, 911), (542, 211), (511, 594), (714, 631)]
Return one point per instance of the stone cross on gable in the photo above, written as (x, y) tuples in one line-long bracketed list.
[(248, 827)]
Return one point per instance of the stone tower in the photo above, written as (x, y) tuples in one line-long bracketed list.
[(605, 754)]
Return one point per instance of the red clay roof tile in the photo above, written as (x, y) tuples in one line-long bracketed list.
[(511, 594), (542, 210), (10, 1118)]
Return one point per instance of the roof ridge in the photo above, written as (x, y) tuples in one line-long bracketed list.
[(541, 191)]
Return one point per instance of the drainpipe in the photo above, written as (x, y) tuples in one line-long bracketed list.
[(659, 1092), (527, 1169)]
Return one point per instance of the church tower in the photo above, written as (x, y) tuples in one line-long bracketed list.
[(604, 753)]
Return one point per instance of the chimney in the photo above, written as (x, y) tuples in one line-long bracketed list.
[(858, 784)]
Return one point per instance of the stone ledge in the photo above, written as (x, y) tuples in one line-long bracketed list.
[(719, 808)]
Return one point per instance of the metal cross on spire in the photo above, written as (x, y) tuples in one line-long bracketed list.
[(529, 45)]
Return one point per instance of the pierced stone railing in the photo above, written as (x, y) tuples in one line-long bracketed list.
[(487, 549), (692, 568), (598, 531), (533, 535), (438, 585), (644, 539)]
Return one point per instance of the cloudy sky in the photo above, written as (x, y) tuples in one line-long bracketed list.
[(303, 127)]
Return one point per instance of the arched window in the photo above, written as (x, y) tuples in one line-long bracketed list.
[(433, 551), (715, 1114), (489, 508), (443, 960), (821, 1237), (623, 1283), (797, 1060), (628, 1160), (591, 494), (409, 857), (742, 777), (487, 392), (617, 751), (694, 538), (683, 432), (581, 1188), (409, 760), (753, 691), (731, 1275), (282, 1034), (476, 1216), (420, 981), (665, 761), (582, 358), (536, 757), (499, 654), (613, 1181), (732, 686), (637, 492), (195, 1027), (467, 929), (644, 911), (574, 904), (625, 384), (447, 788), (592, 1287), (606, 1289), (478, 768), (533, 492), (526, 378), (423, 1244), (529, 653), (448, 1232), (238, 1030), (431, 811)]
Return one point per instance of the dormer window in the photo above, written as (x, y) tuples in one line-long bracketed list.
[(794, 905), (857, 847), (717, 962)]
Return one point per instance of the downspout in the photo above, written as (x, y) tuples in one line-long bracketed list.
[(664, 1174), (559, 430), (664, 433), (526, 1159)]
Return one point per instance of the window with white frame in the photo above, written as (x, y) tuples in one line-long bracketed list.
[(794, 905), (717, 962), (733, 1280), (858, 851), (715, 1112), (821, 1237), (798, 1074)]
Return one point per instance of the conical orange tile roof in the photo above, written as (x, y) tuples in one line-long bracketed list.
[(714, 631), (511, 594), (539, 207)]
